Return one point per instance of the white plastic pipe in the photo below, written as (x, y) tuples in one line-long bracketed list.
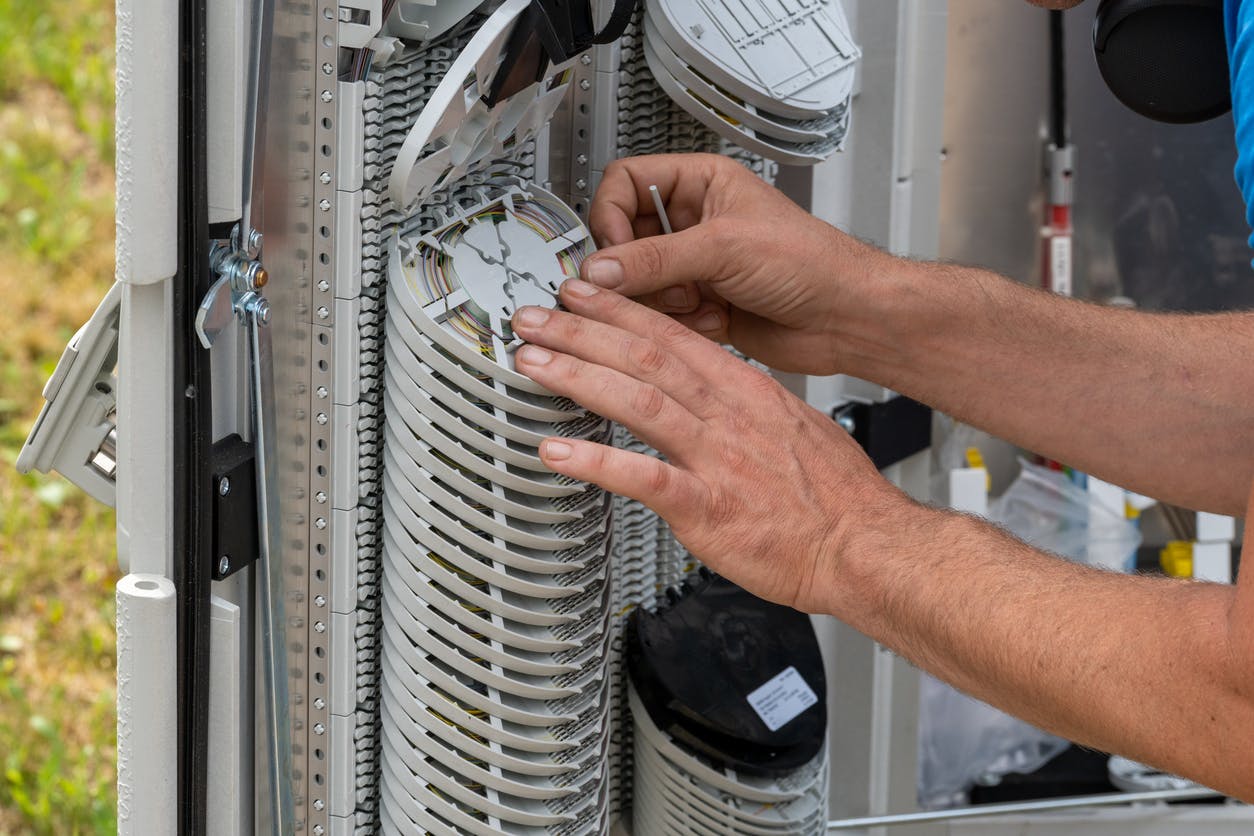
[(147, 706)]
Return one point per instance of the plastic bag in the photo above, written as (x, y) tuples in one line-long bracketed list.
[(963, 740), (1045, 508)]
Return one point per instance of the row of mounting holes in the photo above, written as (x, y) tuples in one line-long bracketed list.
[(321, 310)]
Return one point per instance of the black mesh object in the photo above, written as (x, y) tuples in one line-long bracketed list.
[(1165, 59), (697, 657)]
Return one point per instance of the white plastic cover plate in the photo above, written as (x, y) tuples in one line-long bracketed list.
[(457, 133), (794, 59)]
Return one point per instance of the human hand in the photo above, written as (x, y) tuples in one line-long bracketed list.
[(745, 265), (757, 485)]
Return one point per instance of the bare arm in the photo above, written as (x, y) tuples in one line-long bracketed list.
[(771, 493), (1161, 404), (1158, 670)]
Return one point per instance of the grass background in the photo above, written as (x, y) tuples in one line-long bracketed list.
[(57, 554)]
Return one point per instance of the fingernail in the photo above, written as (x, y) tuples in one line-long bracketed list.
[(604, 272), (674, 297), (531, 317), (577, 288), (709, 322), (556, 451), (533, 355)]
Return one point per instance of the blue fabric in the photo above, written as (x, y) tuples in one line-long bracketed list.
[(1239, 29)]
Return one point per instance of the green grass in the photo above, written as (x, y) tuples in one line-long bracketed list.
[(57, 555)]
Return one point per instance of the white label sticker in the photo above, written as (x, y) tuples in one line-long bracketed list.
[(782, 698), (1060, 265)]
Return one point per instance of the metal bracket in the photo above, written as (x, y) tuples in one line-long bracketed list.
[(76, 431), (889, 432), (235, 544)]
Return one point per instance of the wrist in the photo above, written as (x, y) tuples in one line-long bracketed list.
[(881, 540), (884, 310)]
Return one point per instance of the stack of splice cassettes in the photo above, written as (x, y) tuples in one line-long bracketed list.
[(774, 79), (495, 571), (678, 792)]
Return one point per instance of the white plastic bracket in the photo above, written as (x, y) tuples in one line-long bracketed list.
[(360, 21), (75, 431)]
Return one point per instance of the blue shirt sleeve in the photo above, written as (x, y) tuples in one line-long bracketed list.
[(1239, 31)]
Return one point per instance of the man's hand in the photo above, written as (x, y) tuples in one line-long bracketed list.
[(758, 485), (746, 265)]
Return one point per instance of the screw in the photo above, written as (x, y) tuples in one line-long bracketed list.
[(260, 277), (319, 728), (322, 418), (320, 523), (326, 96), (320, 627), (320, 601), (322, 392), (224, 564), (846, 423), (325, 178), (582, 159), (323, 312), (586, 60), (581, 184), (320, 497), (324, 205), (224, 486), (324, 285), (319, 830), (263, 311), (320, 703), (327, 69), (585, 84), (254, 241), (319, 804)]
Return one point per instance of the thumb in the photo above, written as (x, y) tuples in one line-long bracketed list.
[(647, 265)]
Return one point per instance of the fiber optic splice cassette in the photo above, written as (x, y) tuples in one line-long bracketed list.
[(356, 602)]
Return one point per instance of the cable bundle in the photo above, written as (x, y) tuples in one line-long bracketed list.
[(496, 595), (775, 80)]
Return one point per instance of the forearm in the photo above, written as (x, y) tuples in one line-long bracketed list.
[(1150, 668), (1160, 404)]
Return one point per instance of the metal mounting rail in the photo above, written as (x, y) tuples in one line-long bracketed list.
[(985, 810)]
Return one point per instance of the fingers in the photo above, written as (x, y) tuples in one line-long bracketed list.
[(636, 345), (669, 491), (587, 301), (709, 320), (649, 265), (641, 407), (622, 202)]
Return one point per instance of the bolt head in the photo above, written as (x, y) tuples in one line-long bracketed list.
[(322, 418), (320, 627), (325, 178), (586, 60), (846, 423), (324, 205), (581, 184), (327, 68), (263, 311), (322, 392), (585, 84), (224, 564), (323, 312), (320, 703), (320, 523), (224, 486), (324, 285), (261, 278), (327, 96), (320, 601), (319, 728)]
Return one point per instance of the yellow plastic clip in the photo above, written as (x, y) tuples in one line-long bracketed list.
[(1176, 558)]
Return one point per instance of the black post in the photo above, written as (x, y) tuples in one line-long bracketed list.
[(192, 506)]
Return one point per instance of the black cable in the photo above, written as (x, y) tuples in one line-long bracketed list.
[(1057, 81), (192, 505)]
